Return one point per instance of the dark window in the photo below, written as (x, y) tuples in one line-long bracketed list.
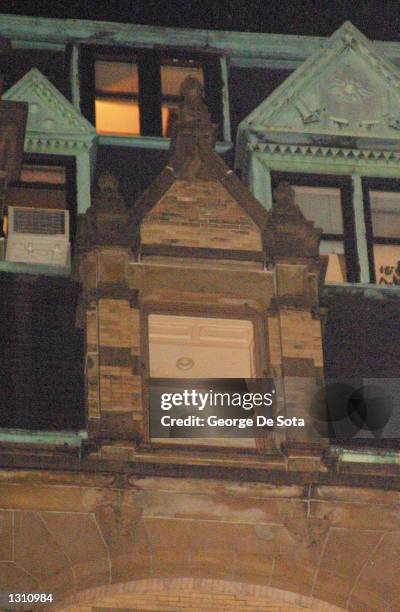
[(382, 219), (130, 93), (327, 200), (41, 354)]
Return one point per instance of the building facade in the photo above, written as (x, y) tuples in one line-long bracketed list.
[(144, 251)]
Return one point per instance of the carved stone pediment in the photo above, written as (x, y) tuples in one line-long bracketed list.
[(346, 89), (53, 122)]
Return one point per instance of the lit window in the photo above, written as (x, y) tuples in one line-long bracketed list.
[(173, 74), (385, 221), (323, 206), (117, 98), (184, 353), (50, 175)]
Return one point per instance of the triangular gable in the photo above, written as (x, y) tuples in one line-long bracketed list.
[(203, 164), (51, 118), (347, 88), (200, 213), (197, 201)]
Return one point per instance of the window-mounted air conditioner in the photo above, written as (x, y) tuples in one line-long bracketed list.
[(38, 235)]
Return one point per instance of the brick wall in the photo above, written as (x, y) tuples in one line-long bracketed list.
[(200, 214), (302, 367), (200, 602), (116, 384)]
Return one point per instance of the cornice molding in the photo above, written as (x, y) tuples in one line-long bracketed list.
[(243, 48), (279, 151)]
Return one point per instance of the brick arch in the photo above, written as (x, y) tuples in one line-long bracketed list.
[(191, 593)]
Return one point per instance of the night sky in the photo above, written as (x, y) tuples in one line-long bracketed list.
[(377, 19)]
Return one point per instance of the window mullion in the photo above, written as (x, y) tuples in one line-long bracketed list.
[(359, 240), (150, 93)]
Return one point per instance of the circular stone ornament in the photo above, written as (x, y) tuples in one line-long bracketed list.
[(184, 363)]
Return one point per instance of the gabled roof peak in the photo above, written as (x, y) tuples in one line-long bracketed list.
[(347, 88), (50, 113)]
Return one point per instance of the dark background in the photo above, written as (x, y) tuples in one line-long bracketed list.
[(378, 19)]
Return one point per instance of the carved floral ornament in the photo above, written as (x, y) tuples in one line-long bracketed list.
[(347, 89)]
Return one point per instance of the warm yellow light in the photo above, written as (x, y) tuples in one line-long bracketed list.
[(117, 117), (5, 226)]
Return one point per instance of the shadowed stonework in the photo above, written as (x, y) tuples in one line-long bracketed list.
[(190, 541), (195, 279)]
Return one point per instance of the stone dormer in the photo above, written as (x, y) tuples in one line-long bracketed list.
[(204, 283)]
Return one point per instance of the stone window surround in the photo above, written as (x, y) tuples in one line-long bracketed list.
[(261, 350)]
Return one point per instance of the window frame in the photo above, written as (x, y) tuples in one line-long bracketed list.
[(261, 361), (344, 184), (390, 185), (69, 163), (149, 62)]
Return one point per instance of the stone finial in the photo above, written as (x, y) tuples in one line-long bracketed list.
[(107, 197), (285, 203), (284, 193), (193, 126), (193, 107), (105, 223), (289, 232)]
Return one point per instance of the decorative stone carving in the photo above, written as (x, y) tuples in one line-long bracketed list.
[(346, 88), (53, 122), (106, 221), (193, 127), (197, 177), (289, 232)]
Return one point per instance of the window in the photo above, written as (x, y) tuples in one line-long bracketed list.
[(48, 175), (173, 74), (132, 93), (185, 352), (47, 183), (117, 98), (382, 217), (326, 200)]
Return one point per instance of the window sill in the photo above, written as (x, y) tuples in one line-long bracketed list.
[(36, 269), (43, 438), (150, 142), (364, 290)]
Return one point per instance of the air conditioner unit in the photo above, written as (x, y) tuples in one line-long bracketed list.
[(38, 235)]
